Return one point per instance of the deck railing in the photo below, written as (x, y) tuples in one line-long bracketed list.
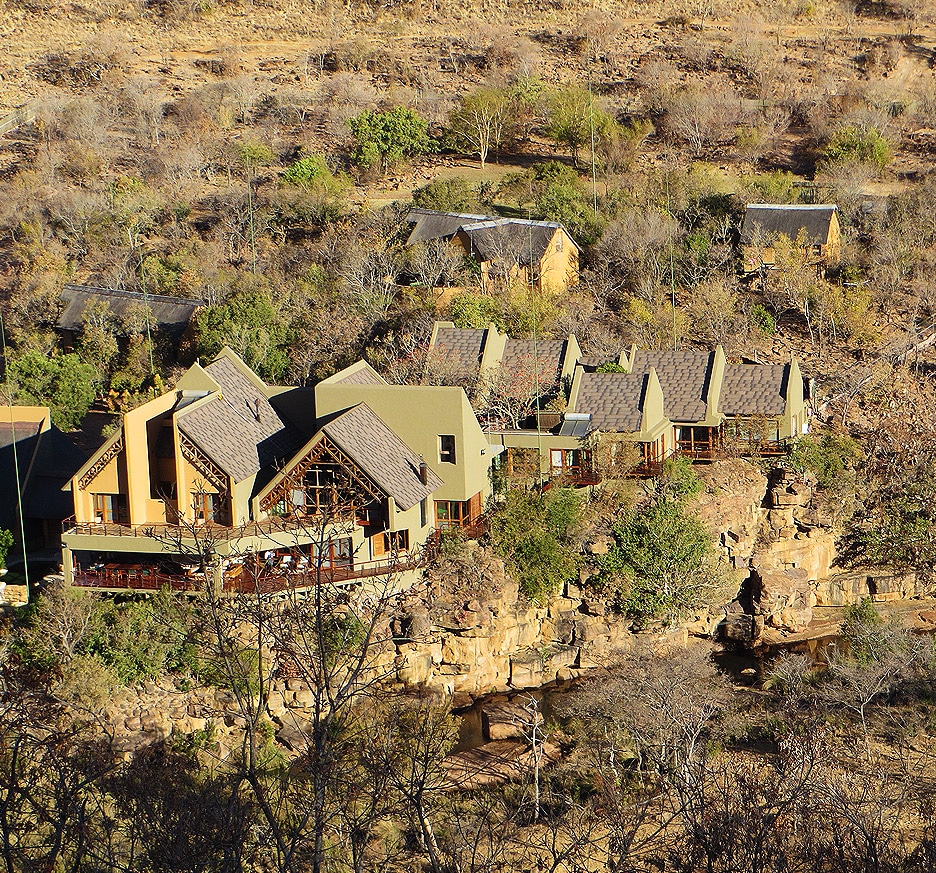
[(242, 579), (163, 530)]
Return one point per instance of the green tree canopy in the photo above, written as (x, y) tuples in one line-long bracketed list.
[(64, 383), (575, 119), (531, 532), (383, 139), (252, 326), (448, 195)]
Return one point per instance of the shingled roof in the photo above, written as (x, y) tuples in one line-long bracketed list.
[(614, 400), (549, 354), (238, 428), (429, 224), (170, 313), (460, 348), (754, 389), (391, 464), (775, 219), (684, 377)]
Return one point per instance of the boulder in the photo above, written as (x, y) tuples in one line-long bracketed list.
[(740, 627)]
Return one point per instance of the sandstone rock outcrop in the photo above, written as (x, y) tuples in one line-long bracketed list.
[(781, 546)]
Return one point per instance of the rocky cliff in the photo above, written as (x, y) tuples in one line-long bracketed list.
[(468, 640)]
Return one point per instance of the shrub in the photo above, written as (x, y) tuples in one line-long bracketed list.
[(827, 456), (386, 138), (763, 320), (662, 560), (6, 543), (473, 309), (448, 195), (250, 323), (860, 145), (63, 382), (532, 533), (311, 173)]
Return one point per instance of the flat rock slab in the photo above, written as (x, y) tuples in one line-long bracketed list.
[(503, 719), (494, 763)]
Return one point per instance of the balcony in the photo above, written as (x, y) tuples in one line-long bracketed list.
[(248, 577), (164, 531)]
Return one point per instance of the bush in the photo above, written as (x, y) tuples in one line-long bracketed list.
[(448, 195), (531, 532), (560, 195), (661, 563), (6, 543), (386, 138), (250, 323), (827, 456), (859, 145), (472, 309), (62, 382), (763, 320)]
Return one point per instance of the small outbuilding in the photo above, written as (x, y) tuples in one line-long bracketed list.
[(815, 225)]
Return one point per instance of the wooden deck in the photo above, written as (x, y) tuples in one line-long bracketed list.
[(240, 579)]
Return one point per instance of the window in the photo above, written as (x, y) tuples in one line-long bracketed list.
[(389, 542), (334, 553), (457, 513), (447, 449), (110, 508), (210, 508), (568, 461), (423, 512), (320, 489)]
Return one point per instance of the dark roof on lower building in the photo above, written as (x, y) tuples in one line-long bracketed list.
[(684, 377), (382, 455), (170, 313), (238, 428), (754, 389), (510, 241), (614, 400), (46, 461), (772, 220), (429, 224)]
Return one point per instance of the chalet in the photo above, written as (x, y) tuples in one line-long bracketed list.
[(816, 225), (695, 404), (45, 459), (508, 250), (170, 316), (248, 487)]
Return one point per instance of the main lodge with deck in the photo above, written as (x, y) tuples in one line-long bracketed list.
[(231, 483)]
